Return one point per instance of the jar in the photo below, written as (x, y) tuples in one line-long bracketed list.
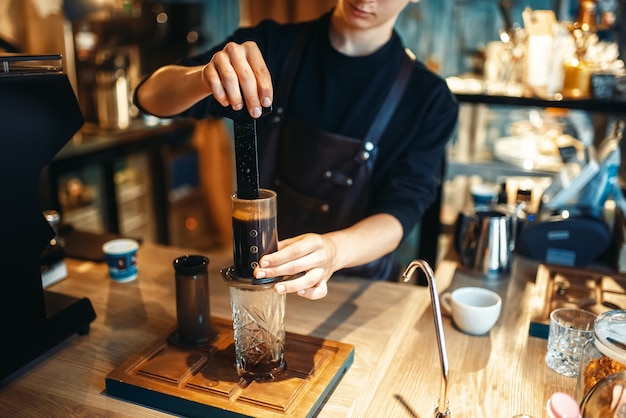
[(607, 399), (605, 353)]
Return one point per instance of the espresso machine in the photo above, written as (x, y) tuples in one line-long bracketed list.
[(39, 113)]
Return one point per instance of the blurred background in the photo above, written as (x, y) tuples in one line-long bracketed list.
[(169, 181)]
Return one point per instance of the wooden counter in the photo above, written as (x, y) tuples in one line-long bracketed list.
[(396, 371)]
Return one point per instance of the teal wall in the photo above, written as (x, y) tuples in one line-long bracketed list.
[(449, 32)]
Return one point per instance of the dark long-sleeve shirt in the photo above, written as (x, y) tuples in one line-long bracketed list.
[(342, 94)]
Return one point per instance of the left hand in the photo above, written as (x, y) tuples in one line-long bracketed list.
[(311, 254)]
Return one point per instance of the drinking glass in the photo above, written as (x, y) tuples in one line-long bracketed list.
[(259, 327), (570, 328)]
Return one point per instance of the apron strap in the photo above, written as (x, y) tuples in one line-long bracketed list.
[(391, 102), (386, 111), (290, 69), (268, 154)]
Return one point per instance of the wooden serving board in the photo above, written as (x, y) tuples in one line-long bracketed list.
[(201, 382), (570, 287)]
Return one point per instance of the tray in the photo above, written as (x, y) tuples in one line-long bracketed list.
[(561, 287), (202, 382)]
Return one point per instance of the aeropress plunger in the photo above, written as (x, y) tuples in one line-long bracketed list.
[(253, 208)]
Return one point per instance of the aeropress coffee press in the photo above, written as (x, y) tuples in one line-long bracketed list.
[(258, 312)]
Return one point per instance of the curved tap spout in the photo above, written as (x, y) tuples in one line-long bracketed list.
[(442, 410)]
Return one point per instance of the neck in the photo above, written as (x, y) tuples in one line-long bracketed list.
[(357, 42)]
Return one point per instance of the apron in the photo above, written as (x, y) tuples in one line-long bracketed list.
[(323, 179)]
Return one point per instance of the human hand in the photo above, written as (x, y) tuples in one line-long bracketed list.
[(237, 69), (312, 254)]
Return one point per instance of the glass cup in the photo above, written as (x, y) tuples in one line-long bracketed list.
[(570, 328), (259, 327), (254, 231)]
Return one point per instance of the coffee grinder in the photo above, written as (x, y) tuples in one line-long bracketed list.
[(38, 115)]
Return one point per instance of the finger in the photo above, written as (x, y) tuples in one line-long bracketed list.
[(316, 292), (227, 63), (263, 77), (310, 279), (292, 249), (289, 266), (287, 242), (254, 77), (214, 83), (300, 254)]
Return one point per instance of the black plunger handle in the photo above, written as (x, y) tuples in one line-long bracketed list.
[(246, 152)]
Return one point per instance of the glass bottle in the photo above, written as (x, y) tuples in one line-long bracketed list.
[(576, 78)]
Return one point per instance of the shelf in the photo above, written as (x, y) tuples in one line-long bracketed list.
[(491, 170), (129, 192), (593, 105), (104, 149)]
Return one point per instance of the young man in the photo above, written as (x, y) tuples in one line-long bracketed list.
[(353, 146)]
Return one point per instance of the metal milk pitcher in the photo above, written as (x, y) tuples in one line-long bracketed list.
[(485, 240)]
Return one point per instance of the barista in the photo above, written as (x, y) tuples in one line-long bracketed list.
[(353, 146)]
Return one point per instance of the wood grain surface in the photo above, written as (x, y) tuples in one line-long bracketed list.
[(396, 371)]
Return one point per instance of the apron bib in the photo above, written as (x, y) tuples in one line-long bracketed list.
[(323, 179)]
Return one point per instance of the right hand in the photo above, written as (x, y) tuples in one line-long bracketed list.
[(237, 69), (311, 254)]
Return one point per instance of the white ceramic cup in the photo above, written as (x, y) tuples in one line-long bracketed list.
[(474, 310), (121, 257)]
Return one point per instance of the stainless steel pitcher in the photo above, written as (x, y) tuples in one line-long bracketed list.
[(112, 92), (485, 240)]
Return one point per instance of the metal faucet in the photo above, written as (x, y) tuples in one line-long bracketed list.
[(442, 409)]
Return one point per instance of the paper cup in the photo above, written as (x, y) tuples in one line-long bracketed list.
[(121, 257), (483, 195)]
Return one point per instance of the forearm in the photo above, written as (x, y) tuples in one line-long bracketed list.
[(171, 90), (365, 241)]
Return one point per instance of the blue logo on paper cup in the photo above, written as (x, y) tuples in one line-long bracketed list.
[(121, 257)]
